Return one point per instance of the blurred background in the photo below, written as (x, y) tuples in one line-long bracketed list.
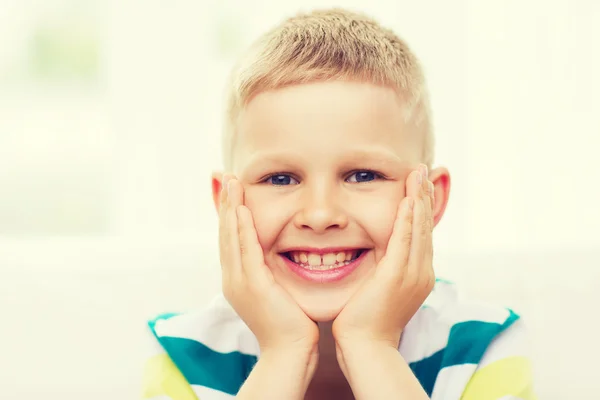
[(110, 116)]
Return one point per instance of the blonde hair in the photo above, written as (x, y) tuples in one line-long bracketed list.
[(326, 45)]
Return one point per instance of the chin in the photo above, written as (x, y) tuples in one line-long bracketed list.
[(322, 314), (322, 302), (322, 308)]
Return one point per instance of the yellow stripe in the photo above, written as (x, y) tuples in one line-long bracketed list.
[(506, 377), (162, 377)]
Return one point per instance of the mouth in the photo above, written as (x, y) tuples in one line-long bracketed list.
[(324, 266), (320, 261)]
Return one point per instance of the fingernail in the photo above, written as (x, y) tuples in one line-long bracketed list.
[(424, 171), (419, 178), (431, 191), (226, 179), (410, 203), (229, 185)]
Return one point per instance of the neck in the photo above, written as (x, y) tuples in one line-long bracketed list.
[(328, 380)]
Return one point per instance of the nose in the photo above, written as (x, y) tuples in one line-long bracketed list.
[(320, 211)]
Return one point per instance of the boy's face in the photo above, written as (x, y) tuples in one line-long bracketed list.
[(323, 167)]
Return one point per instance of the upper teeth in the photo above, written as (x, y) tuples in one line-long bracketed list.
[(314, 259)]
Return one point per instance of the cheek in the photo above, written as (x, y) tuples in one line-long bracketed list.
[(269, 217), (376, 216)]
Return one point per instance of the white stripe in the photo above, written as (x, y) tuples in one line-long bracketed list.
[(217, 326), (451, 382), (427, 332), (150, 345), (464, 311), (423, 336), (456, 308), (204, 393)]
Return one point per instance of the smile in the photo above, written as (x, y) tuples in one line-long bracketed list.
[(323, 266), (322, 262)]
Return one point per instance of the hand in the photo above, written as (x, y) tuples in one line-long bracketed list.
[(248, 284), (402, 280)]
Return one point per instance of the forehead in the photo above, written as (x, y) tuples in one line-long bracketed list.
[(326, 118)]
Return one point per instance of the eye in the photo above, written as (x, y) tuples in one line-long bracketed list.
[(281, 180), (363, 176)]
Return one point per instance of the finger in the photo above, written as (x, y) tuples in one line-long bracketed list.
[(420, 235), (251, 254), (398, 249), (232, 276), (252, 257), (413, 184), (431, 202), (235, 193), (429, 218), (233, 266), (425, 173), (223, 232), (421, 265), (426, 192), (223, 202), (223, 196), (427, 204)]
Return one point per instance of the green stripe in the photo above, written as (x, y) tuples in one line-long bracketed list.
[(426, 370), (164, 316), (469, 340), (201, 365), (467, 343)]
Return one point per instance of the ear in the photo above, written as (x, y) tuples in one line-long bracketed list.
[(440, 177), (217, 185)]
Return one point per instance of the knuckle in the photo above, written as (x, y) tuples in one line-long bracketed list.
[(424, 227), (256, 286), (227, 290), (429, 281), (410, 279), (407, 237), (243, 248), (408, 217)]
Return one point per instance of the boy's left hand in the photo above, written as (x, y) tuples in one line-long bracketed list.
[(402, 280)]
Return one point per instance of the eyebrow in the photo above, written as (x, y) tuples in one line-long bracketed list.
[(376, 157)]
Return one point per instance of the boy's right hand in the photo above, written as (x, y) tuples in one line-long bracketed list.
[(278, 323)]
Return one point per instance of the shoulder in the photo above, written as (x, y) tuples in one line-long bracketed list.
[(452, 337), (201, 345)]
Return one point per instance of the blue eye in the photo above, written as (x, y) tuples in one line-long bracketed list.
[(280, 180), (364, 176)]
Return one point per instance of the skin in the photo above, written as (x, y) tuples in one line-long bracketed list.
[(327, 165)]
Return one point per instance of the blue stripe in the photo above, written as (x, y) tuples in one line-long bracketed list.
[(201, 365), (164, 316), (426, 370), (467, 342)]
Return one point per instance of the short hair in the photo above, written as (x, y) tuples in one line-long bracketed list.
[(324, 45)]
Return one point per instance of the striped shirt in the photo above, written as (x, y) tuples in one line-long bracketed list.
[(457, 348)]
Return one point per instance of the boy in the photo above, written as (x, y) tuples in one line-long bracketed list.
[(326, 215)]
